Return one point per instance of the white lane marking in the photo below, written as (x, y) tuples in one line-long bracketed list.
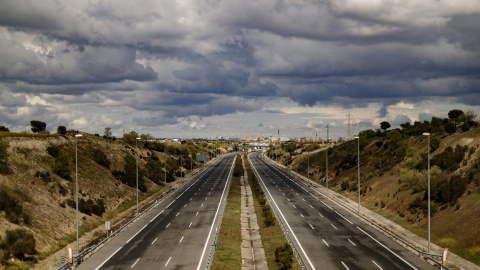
[(177, 214), (320, 214), (303, 199), (288, 199), (154, 240), (377, 265), (325, 243), (184, 206), (168, 261), (167, 225), (296, 193), (294, 206), (345, 265), (206, 198), (344, 217), (136, 234), (191, 199), (169, 205), (311, 226), (135, 262), (327, 205), (201, 205), (334, 226), (190, 225), (310, 206), (156, 216), (181, 239), (100, 266), (283, 194), (352, 243), (301, 214), (196, 214), (413, 267)]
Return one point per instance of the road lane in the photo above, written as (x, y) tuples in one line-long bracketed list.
[(173, 234), (327, 236)]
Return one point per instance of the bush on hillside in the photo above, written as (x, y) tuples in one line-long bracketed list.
[(10, 205), (18, 243), (450, 159), (53, 150), (129, 174), (61, 166), (100, 158), (449, 191), (4, 157)]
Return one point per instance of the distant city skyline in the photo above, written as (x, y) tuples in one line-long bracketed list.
[(191, 69)]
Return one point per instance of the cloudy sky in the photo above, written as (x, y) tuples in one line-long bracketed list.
[(206, 68)]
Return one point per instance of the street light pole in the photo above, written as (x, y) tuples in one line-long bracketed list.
[(308, 165), (136, 148), (326, 165), (76, 183), (358, 158), (428, 134)]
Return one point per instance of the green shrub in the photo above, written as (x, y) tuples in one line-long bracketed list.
[(284, 256), (12, 207), (53, 150), (100, 158), (62, 166), (4, 157), (19, 242), (345, 185)]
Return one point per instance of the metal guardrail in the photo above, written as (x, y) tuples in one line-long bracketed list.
[(279, 219), (87, 251), (427, 255)]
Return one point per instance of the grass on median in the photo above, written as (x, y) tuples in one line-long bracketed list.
[(229, 253), (272, 236)]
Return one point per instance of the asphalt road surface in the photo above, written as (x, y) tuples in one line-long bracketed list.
[(176, 233), (325, 234)]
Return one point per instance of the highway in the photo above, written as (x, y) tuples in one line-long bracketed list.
[(175, 234), (325, 234)]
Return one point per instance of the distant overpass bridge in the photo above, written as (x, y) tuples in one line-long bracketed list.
[(256, 145)]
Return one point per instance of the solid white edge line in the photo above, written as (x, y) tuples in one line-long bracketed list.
[(135, 262), (156, 216), (413, 267), (108, 258), (136, 234), (278, 208), (215, 217)]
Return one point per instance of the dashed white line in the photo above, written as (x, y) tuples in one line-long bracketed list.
[(310, 206), (352, 242), (345, 265), (311, 226), (201, 205), (320, 214), (344, 218), (196, 214), (177, 214), (206, 198), (184, 206), (154, 240), (168, 261), (301, 214), (190, 224), (377, 265), (135, 262), (334, 226), (303, 199), (181, 239), (325, 242), (294, 206), (167, 225), (387, 248)]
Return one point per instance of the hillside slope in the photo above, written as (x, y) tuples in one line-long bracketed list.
[(45, 202), (394, 183)]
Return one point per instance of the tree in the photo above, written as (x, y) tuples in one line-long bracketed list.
[(394, 138), (385, 125), (450, 128), (108, 132), (61, 130), (434, 144), (470, 118), (455, 115), (465, 127), (4, 129), (3, 156), (130, 138), (38, 126), (62, 166)]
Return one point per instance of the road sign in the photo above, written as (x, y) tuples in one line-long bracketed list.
[(201, 157)]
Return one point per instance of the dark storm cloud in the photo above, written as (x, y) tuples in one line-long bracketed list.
[(203, 58)]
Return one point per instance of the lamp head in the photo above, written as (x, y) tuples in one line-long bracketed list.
[(78, 135), (139, 138), (426, 134)]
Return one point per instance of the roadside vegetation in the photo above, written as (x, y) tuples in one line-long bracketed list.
[(229, 254)]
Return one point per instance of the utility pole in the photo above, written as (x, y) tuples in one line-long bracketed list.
[(326, 161)]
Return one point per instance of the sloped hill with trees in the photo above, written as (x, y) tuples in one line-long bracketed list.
[(394, 176), (37, 186)]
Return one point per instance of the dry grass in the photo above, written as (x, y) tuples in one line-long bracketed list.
[(229, 254)]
